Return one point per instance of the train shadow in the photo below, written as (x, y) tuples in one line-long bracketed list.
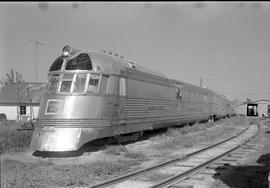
[(62, 154), (245, 175)]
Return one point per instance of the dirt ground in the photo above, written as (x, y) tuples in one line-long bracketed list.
[(251, 170), (98, 163)]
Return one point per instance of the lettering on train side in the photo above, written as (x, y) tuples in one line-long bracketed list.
[(154, 108)]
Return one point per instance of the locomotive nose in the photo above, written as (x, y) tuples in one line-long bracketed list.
[(56, 139)]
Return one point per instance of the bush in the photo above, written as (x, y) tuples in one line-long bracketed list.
[(13, 140), (3, 117)]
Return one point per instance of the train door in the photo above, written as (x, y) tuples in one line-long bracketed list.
[(122, 98), (178, 97)]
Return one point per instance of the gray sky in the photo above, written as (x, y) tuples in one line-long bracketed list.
[(227, 43)]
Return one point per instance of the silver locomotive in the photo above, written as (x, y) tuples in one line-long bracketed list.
[(93, 95)]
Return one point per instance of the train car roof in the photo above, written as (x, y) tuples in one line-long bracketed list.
[(191, 86), (201, 89), (114, 64)]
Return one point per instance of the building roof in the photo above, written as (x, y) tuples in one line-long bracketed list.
[(262, 100), (24, 93)]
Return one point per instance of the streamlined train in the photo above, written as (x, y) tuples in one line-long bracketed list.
[(92, 95)]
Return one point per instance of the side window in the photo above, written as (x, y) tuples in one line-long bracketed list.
[(66, 82), (178, 91), (53, 83), (93, 83), (79, 85), (122, 86), (104, 84)]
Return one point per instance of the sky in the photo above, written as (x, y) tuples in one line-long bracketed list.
[(227, 44)]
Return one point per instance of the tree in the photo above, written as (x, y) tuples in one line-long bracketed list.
[(12, 78)]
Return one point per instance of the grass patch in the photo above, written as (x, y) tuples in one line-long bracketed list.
[(173, 132), (123, 151), (253, 122), (188, 136), (115, 149), (135, 154), (17, 174), (12, 139), (236, 121)]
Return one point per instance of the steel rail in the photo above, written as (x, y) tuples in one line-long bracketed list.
[(182, 176), (158, 166)]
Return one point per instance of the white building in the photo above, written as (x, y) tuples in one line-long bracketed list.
[(21, 101), (263, 107), (259, 108)]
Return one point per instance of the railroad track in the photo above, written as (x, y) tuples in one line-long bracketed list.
[(176, 170)]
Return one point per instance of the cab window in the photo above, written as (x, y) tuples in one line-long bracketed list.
[(53, 83), (66, 82), (104, 84), (79, 85), (93, 83)]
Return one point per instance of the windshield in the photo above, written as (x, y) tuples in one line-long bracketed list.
[(57, 64), (78, 83), (81, 62)]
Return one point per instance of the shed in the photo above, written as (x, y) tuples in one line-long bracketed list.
[(20, 101), (257, 108), (263, 107)]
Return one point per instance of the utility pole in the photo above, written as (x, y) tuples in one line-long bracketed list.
[(36, 58)]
